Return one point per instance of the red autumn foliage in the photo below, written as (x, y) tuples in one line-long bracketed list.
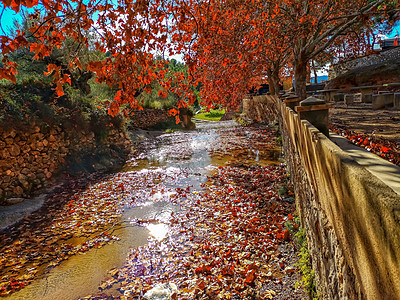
[(381, 147), (229, 46)]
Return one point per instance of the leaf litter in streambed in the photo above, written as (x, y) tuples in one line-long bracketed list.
[(209, 250), (70, 224), (228, 242)]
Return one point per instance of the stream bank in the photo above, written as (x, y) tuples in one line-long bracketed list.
[(113, 237)]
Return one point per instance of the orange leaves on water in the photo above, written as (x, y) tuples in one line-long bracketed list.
[(250, 277), (201, 285), (203, 269), (225, 242), (220, 252), (68, 224)]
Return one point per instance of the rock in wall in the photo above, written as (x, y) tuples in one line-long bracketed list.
[(351, 216), (260, 109), (30, 155)]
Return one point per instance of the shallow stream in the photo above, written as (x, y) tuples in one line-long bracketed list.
[(143, 191)]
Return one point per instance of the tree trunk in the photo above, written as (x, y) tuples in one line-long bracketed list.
[(300, 76), (273, 81), (271, 84)]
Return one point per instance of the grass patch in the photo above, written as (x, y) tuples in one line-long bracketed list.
[(212, 115), (304, 263)]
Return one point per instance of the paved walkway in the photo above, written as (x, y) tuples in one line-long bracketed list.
[(382, 169)]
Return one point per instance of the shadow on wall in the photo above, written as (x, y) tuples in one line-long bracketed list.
[(351, 216)]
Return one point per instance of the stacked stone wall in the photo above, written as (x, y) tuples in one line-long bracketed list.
[(148, 118), (30, 155)]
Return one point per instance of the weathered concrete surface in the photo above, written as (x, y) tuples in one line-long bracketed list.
[(352, 217), (316, 112), (367, 98), (396, 101), (380, 101), (348, 99)]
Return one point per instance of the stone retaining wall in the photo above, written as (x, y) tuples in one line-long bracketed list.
[(148, 117), (260, 109), (31, 155), (352, 218)]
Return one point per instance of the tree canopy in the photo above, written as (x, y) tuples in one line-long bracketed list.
[(229, 46)]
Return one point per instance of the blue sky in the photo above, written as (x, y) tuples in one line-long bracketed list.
[(9, 15), (395, 32), (7, 19)]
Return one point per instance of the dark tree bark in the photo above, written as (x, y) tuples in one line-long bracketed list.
[(273, 80), (271, 84), (300, 76), (79, 80)]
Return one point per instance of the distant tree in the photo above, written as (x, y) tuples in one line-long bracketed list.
[(316, 25)]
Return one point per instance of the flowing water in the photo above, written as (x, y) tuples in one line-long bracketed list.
[(160, 166)]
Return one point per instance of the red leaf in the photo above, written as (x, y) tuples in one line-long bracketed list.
[(67, 78), (59, 90), (15, 5), (201, 285), (173, 112), (250, 277), (31, 3), (50, 69)]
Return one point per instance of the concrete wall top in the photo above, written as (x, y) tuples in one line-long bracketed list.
[(363, 210)]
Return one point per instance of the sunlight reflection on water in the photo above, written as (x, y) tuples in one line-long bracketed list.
[(149, 192), (158, 231)]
